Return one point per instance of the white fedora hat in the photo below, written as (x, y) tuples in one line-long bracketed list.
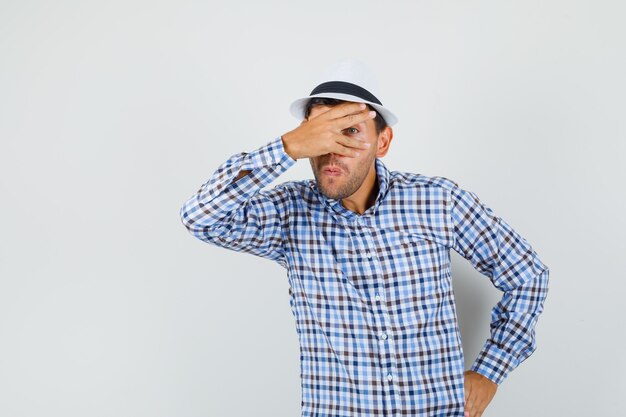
[(349, 80)]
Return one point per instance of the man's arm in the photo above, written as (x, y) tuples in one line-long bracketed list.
[(232, 211), (500, 253)]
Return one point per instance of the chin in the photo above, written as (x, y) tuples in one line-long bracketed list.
[(330, 193)]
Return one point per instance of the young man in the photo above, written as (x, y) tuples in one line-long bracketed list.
[(367, 255)]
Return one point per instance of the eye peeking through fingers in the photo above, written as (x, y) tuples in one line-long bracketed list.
[(355, 130)]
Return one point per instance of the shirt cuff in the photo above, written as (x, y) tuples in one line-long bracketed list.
[(494, 363), (272, 153)]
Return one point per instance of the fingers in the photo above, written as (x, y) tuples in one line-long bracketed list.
[(348, 114), (353, 142), (339, 110), (328, 126), (349, 146), (350, 120), (344, 109), (345, 115), (469, 406), (475, 404), (346, 151)]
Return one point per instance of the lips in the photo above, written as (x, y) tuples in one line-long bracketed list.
[(332, 170)]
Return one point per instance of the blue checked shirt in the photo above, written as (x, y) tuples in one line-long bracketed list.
[(372, 294)]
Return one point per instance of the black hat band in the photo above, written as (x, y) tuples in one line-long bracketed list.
[(345, 88)]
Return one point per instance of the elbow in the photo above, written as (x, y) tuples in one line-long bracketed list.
[(199, 229), (185, 219), (190, 222)]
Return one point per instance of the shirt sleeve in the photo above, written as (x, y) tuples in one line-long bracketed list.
[(500, 253), (239, 215)]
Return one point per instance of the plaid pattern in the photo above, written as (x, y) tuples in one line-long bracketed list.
[(371, 294)]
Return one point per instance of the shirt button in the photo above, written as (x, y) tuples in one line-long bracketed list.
[(369, 254), (389, 377), (377, 297), (383, 336)]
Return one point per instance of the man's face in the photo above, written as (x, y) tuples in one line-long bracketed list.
[(353, 169)]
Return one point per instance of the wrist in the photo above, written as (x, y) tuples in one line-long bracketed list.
[(288, 146)]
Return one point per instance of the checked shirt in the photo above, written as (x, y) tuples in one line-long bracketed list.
[(372, 294)]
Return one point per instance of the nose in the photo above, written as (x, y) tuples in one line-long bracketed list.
[(333, 158)]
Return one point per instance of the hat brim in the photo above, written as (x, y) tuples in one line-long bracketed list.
[(298, 106)]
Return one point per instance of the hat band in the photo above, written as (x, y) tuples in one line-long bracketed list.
[(345, 88)]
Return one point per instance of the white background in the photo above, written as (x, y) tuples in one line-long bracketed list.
[(113, 113)]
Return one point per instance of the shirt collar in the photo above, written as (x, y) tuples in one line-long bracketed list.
[(383, 176)]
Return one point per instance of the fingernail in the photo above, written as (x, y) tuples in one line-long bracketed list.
[(362, 105), (372, 113)]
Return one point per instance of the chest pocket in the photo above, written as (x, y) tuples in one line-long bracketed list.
[(409, 255), (416, 273)]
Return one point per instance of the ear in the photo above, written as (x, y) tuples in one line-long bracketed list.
[(384, 140)]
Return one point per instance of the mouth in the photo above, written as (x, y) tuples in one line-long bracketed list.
[(332, 171)]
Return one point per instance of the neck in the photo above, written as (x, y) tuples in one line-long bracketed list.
[(365, 196)]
